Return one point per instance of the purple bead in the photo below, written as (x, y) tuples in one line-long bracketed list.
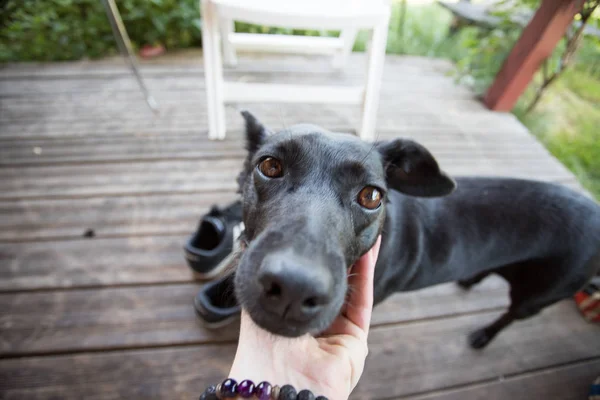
[(228, 388), (263, 391), (246, 389)]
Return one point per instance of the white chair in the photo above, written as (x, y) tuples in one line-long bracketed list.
[(346, 15)]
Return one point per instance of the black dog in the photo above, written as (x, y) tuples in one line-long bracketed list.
[(315, 201)]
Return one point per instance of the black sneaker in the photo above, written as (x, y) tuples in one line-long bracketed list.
[(211, 248), (216, 304)]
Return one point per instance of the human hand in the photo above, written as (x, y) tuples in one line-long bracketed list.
[(330, 364)]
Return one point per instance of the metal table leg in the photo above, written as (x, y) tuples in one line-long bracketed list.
[(124, 43)]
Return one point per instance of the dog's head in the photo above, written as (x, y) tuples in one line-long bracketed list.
[(314, 202)]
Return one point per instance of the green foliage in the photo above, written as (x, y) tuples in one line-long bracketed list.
[(422, 31), (583, 84), (566, 121), (482, 51), (485, 51), (588, 56), (45, 30), (271, 30), (580, 153)]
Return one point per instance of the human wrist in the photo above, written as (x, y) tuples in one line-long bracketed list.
[(246, 389), (278, 368)]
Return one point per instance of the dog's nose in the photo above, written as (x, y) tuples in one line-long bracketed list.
[(294, 290)]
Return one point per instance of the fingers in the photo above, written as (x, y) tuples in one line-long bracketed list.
[(360, 302)]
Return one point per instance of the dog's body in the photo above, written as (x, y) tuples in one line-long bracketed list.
[(542, 238), (305, 228)]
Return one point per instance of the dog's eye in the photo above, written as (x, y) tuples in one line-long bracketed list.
[(369, 197), (271, 167)]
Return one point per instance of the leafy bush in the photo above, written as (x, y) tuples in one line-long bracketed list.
[(580, 153), (566, 121), (482, 55), (417, 30), (44, 30)]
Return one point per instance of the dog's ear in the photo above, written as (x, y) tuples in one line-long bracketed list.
[(256, 133), (411, 169)]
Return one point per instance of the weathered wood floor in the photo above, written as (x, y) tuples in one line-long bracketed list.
[(110, 316)]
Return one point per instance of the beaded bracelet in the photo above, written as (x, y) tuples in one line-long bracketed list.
[(246, 389)]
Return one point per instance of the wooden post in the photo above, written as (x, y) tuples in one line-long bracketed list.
[(538, 40)]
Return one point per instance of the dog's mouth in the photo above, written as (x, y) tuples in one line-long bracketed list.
[(289, 294), (277, 325)]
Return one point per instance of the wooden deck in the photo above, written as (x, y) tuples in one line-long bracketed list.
[(110, 316)]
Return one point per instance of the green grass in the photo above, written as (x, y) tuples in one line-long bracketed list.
[(583, 85), (423, 32), (567, 121)]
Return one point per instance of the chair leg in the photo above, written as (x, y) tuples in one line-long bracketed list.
[(218, 74), (348, 37), (229, 55), (374, 75), (209, 80), (213, 72)]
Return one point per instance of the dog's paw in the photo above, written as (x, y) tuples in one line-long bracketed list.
[(479, 339)]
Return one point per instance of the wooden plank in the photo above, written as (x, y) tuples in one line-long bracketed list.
[(147, 178), (169, 84), (490, 294), (92, 150), (84, 108), (420, 357), (192, 66), (197, 125), (121, 216), (193, 116), (188, 147), (147, 124), (52, 155), (77, 122), (190, 62), (165, 214), (63, 105), (391, 118), (451, 139), (93, 262), (537, 41), (571, 382), (175, 373), (431, 355), (190, 176), (118, 318), (100, 319)]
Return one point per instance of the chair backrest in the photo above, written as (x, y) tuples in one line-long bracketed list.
[(308, 14)]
